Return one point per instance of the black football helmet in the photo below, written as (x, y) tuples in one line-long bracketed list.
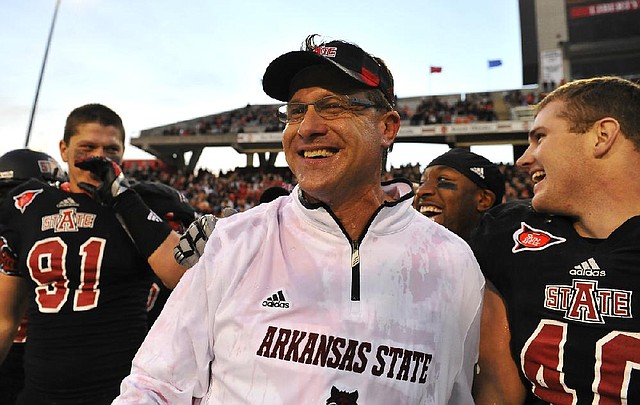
[(170, 204), (20, 165)]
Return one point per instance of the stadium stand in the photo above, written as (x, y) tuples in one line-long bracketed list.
[(240, 189), (457, 120)]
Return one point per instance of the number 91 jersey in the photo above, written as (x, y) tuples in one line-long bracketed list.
[(573, 303), (88, 289)]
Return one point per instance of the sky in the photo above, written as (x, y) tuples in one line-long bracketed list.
[(156, 62)]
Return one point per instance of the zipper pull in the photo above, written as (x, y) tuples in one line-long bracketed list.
[(355, 256)]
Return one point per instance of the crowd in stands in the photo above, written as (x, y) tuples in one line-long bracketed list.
[(430, 110), (239, 120), (516, 98), (434, 110), (453, 109), (241, 188)]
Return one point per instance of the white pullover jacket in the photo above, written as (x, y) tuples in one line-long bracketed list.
[(283, 308)]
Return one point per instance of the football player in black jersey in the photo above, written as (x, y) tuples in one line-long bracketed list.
[(16, 167), (83, 256), (567, 264), (457, 187)]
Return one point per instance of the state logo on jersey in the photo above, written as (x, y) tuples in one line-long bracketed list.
[(586, 301), (22, 200), (530, 238)]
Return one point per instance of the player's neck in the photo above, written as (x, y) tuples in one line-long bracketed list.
[(611, 198), (601, 221)]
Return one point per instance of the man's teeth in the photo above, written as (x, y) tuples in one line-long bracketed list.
[(318, 153), (430, 210), (538, 176)]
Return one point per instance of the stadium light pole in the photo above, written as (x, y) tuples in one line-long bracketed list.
[(44, 63)]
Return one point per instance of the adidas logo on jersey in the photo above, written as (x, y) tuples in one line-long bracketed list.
[(277, 300), (587, 268), (66, 203), (153, 217)]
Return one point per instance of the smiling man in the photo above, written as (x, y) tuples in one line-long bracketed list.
[(80, 259), (339, 288), (457, 187), (566, 264)]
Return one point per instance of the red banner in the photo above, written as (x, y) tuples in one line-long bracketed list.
[(604, 8)]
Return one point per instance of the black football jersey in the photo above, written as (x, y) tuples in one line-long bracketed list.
[(573, 303), (89, 286)]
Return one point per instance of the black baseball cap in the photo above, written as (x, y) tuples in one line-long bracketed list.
[(346, 58), (476, 168)]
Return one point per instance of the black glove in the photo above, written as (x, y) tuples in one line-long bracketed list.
[(192, 242), (109, 173), (8, 259)]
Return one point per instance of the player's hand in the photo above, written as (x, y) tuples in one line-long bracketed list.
[(192, 242), (8, 258), (109, 173)]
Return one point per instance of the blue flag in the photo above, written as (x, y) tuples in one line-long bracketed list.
[(495, 63)]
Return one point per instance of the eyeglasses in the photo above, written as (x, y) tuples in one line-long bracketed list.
[(329, 108)]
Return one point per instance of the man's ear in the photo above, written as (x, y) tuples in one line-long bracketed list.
[(63, 151), (607, 131), (391, 122), (485, 199)]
